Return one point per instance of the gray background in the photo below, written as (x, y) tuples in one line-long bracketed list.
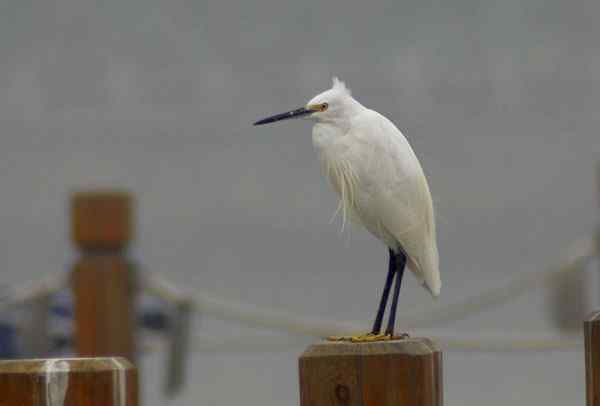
[(498, 98)]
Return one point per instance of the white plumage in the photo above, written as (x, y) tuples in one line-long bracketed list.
[(377, 176), (379, 179)]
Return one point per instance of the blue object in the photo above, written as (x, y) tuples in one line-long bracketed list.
[(62, 305), (154, 319), (7, 341), (61, 343)]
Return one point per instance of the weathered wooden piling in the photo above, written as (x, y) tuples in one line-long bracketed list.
[(68, 382), (103, 280), (591, 329), (404, 372)]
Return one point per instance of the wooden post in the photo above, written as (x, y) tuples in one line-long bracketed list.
[(394, 373), (68, 382), (103, 281), (591, 329)]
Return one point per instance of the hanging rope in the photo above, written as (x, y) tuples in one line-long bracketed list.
[(581, 251), (256, 343), (579, 254), (18, 295)]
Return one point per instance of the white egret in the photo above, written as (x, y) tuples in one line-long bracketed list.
[(381, 185)]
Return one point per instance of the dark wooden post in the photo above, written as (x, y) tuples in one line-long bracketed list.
[(391, 373), (591, 329), (103, 281), (68, 382)]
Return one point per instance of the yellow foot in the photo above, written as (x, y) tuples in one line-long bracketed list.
[(370, 338), (342, 338), (366, 338)]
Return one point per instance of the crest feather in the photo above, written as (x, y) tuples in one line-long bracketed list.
[(339, 85)]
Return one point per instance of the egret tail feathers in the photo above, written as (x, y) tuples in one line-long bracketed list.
[(425, 267), (430, 264)]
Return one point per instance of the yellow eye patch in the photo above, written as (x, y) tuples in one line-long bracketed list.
[(319, 107)]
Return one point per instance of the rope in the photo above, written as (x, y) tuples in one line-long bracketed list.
[(246, 314), (18, 295), (580, 252), (521, 344), (578, 255), (254, 344)]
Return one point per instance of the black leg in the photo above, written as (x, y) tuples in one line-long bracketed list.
[(401, 262), (386, 293)]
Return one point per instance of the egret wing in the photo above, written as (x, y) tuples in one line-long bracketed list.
[(396, 199)]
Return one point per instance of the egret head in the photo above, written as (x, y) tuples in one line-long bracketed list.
[(332, 105)]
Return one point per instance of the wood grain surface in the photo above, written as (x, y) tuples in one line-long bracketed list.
[(101, 219), (68, 382), (591, 329), (103, 294), (404, 372)]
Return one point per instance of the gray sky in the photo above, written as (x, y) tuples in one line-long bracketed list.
[(500, 101)]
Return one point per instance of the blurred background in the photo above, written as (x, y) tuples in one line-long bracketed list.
[(499, 100)]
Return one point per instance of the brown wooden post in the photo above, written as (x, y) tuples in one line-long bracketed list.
[(68, 382), (404, 372), (103, 281), (591, 329)]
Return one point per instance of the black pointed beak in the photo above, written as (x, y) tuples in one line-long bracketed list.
[(301, 112)]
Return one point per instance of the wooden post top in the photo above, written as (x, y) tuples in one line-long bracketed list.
[(68, 382), (413, 347), (594, 317), (101, 219), (405, 372), (43, 366)]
